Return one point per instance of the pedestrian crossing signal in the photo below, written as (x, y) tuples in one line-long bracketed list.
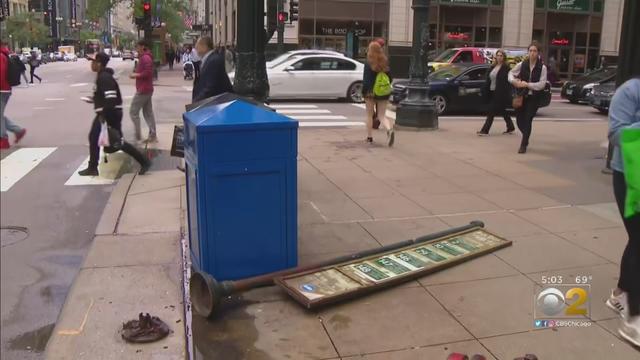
[(282, 17)]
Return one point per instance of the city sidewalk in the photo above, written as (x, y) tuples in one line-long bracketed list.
[(553, 203), (134, 265)]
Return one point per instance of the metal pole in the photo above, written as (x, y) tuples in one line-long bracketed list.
[(251, 74), (417, 110)]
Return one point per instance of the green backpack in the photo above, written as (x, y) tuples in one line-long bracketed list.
[(630, 148), (382, 86)]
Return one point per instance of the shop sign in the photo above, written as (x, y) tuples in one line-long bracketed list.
[(561, 42), (569, 5), (467, 2), (457, 36)]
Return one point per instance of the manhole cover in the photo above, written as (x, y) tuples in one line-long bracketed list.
[(12, 234)]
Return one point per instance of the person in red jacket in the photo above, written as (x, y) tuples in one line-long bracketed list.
[(5, 94), (144, 92)]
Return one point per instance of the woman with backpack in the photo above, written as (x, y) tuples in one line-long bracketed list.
[(33, 64), (376, 88)]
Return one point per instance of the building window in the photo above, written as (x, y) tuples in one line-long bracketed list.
[(496, 2), (540, 4), (538, 35), (495, 34), (481, 35), (581, 39), (597, 6), (594, 40)]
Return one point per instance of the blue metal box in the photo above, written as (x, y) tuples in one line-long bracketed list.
[(241, 189)]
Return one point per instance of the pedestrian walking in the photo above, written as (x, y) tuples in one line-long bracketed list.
[(196, 63), (499, 94), (624, 113), (107, 103), (530, 78), (5, 94), (376, 88), (214, 80), (23, 69), (170, 55), (144, 93), (33, 65)]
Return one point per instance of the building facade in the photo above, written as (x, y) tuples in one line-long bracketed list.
[(577, 34)]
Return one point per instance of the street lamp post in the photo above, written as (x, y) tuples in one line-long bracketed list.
[(58, 21), (251, 74), (417, 110)]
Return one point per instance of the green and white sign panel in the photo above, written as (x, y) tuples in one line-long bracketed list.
[(334, 283)]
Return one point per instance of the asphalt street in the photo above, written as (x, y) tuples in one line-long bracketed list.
[(59, 212)]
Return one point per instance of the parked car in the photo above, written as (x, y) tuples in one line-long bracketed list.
[(316, 77), (116, 53), (291, 54), (59, 56), (580, 89), (459, 88), (466, 55), (70, 57), (602, 94), (127, 55)]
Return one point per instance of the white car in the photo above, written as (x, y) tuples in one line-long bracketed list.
[(290, 54), (316, 77), (70, 57)]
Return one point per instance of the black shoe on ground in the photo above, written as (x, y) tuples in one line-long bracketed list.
[(522, 150), (482, 133), (370, 140), (509, 132), (392, 138), (88, 172), (144, 168)]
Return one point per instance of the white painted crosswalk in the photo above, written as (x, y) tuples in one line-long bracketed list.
[(20, 164), (312, 116)]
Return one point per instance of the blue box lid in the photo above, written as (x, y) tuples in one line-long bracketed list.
[(236, 115)]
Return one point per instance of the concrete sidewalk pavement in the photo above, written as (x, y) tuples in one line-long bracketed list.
[(134, 265), (553, 203)]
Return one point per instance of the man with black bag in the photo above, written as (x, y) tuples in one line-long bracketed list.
[(107, 102)]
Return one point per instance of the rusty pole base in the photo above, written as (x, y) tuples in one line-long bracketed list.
[(144, 330)]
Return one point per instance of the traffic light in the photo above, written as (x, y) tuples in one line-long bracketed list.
[(293, 10), (283, 17), (146, 11)]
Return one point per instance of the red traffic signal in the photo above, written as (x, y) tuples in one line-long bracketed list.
[(146, 6), (283, 16)]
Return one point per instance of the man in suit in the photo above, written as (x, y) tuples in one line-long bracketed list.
[(213, 76)]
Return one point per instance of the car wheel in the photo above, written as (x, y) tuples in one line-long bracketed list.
[(573, 101), (440, 103), (354, 94), (603, 111)]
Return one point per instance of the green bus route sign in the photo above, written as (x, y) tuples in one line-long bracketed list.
[(347, 280)]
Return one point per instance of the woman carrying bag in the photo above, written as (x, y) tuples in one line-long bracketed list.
[(530, 78), (499, 91), (376, 88)]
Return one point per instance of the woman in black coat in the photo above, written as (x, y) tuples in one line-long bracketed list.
[(499, 94)]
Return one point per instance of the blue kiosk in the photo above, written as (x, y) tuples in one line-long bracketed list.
[(241, 188)]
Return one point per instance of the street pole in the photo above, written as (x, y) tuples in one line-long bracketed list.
[(251, 74), (280, 28), (417, 110)]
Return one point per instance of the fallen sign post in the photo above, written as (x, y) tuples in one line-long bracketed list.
[(353, 275)]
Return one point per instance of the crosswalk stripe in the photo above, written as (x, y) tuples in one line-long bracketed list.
[(108, 172), (293, 106), (318, 117), (78, 84), (361, 106), (19, 163), (54, 99), (304, 111), (330, 123)]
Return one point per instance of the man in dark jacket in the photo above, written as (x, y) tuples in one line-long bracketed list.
[(107, 103), (213, 78)]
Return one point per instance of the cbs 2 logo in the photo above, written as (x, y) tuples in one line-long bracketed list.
[(552, 301)]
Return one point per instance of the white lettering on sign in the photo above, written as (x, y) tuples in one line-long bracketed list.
[(564, 3)]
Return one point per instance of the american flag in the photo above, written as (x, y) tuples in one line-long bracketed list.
[(188, 21)]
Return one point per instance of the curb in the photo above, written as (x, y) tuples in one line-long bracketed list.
[(112, 211)]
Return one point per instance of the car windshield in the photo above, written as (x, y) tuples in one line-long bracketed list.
[(446, 56), (446, 73), (599, 74)]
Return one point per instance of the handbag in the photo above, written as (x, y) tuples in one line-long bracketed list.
[(517, 101)]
